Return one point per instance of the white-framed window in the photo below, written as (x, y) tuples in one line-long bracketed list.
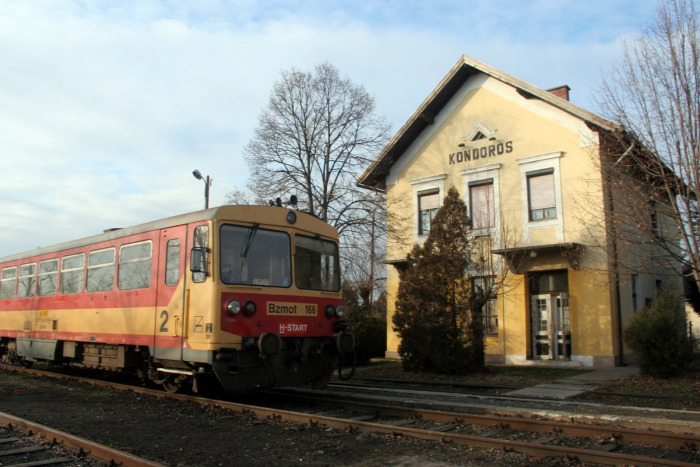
[(540, 184), (8, 282), (100, 270), (427, 194), (428, 206), (48, 277), (72, 274), (481, 205), (135, 262), (541, 201), (27, 280), (482, 191)]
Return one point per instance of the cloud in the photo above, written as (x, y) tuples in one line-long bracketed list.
[(107, 107)]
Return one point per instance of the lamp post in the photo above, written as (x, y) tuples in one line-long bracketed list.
[(207, 183)]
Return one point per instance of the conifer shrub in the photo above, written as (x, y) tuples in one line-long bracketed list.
[(367, 324), (658, 335), (438, 329)]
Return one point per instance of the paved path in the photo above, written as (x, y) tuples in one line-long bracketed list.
[(575, 385)]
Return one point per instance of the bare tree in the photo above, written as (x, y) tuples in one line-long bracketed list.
[(317, 134), (238, 196), (654, 92), (364, 266)]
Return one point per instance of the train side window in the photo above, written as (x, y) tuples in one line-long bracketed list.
[(8, 281), (199, 253), (100, 270), (135, 265), (72, 274), (172, 262), (48, 277), (27, 280)]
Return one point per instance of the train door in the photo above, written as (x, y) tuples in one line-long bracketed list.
[(170, 317)]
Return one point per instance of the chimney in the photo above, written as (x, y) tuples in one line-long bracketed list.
[(561, 91)]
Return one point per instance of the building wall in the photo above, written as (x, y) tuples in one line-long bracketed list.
[(528, 135)]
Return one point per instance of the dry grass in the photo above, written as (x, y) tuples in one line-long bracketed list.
[(517, 376)]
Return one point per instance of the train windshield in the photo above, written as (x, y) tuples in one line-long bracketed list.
[(254, 256), (316, 264)]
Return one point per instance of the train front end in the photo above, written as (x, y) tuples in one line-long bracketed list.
[(279, 302)]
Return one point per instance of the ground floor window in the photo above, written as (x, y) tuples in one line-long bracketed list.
[(485, 285), (490, 314)]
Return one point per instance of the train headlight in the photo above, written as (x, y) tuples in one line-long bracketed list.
[(332, 311), (233, 308), (249, 308)]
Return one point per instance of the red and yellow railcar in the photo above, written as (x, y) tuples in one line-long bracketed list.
[(250, 294)]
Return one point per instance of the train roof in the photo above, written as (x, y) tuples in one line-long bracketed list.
[(252, 214)]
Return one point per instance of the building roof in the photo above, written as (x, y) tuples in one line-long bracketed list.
[(466, 67)]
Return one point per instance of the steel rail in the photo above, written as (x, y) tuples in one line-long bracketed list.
[(519, 398), (464, 385), (93, 450), (673, 440), (455, 384), (531, 449)]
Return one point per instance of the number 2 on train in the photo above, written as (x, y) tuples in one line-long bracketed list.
[(164, 317)]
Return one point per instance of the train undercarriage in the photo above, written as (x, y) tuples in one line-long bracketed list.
[(264, 363)]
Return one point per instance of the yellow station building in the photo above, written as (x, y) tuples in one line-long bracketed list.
[(527, 163)]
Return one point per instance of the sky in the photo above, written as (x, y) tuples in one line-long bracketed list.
[(106, 107)]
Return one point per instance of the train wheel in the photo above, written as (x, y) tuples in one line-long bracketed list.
[(171, 386)]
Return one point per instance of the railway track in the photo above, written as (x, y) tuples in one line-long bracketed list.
[(632, 416), (480, 388), (604, 445), (685, 441), (24, 443), (18, 449), (541, 438)]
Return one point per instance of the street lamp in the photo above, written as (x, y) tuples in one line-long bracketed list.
[(207, 183)]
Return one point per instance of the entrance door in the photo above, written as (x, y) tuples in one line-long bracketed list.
[(551, 333)]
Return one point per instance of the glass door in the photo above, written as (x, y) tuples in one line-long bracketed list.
[(562, 326), (550, 324), (550, 335), (541, 309)]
